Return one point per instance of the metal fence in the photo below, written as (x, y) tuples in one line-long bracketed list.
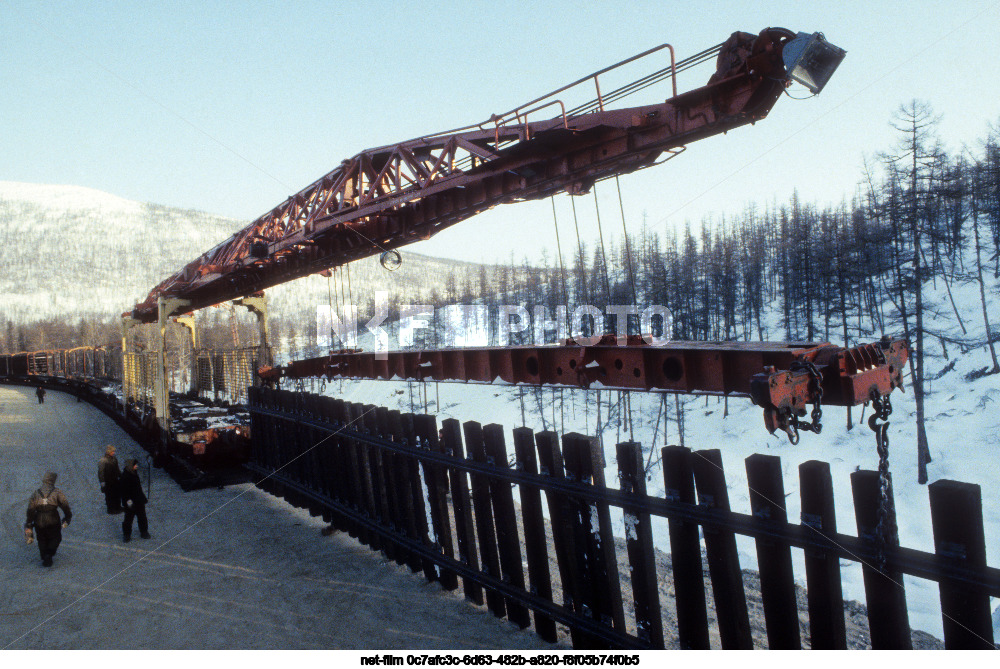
[(442, 502)]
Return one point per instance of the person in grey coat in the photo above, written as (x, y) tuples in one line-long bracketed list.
[(43, 522)]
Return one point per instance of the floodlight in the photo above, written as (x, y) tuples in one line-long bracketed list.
[(811, 60)]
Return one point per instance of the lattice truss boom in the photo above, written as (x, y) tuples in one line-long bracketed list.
[(395, 195)]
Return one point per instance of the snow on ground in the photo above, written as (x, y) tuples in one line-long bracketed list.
[(231, 568), (963, 429)]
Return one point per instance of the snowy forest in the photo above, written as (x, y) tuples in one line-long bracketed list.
[(923, 218)]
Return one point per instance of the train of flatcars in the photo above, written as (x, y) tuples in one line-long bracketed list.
[(206, 443), (83, 363)]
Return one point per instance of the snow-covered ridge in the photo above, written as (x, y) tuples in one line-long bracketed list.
[(66, 198)]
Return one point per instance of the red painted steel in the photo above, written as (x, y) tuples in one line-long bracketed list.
[(394, 195), (775, 375)]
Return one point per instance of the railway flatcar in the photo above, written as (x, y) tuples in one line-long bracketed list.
[(19, 364)]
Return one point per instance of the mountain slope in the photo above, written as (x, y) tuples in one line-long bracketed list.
[(68, 251)]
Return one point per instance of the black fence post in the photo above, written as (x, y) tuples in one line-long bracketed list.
[(550, 462), (685, 552), (465, 530), (959, 539), (774, 559), (508, 542), (888, 620), (485, 528), (380, 489), (639, 545), (348, 493), (389, 472), (368, 504), (437, 491), (723, 559), (416, 491), (827, 629), (404, 485), (535, 544), (597, 562)]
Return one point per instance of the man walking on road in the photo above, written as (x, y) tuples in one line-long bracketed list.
[(107, 474), (133, 501), (42, 520), (40, 392)]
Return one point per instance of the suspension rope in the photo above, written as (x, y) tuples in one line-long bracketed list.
[(618, 427), (604, 256), (660, 413), (562, 267), (582, 260), (631, 425), (349, 289), (628, 248), (329, 295), (344, 299), (600, 430)]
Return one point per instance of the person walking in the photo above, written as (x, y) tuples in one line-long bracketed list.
[(42, 522), (40, 393), (108, 474), (133, 501)]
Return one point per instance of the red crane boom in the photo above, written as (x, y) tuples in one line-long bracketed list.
[(394, 195)]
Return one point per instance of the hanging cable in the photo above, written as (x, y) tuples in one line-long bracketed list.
[(562, 414), (660, 413), (618, 406), (628, 248), (631, 425), (562, 267), (340, 295), (350, 290), (600, 430), (329, 295), (604, 256), (579, 240)]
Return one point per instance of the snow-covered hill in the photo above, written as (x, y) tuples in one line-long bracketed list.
[(68, 251)]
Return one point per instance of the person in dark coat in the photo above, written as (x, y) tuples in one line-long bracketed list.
[(40, 392), (42, 522), (108, 473), (133, 501)]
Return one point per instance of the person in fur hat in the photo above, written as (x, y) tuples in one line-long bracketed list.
[(43, 523), (133, 500), (108, 474)]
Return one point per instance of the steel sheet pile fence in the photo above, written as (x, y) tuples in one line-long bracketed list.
[(442, 502), (226, 375), (138, 376)]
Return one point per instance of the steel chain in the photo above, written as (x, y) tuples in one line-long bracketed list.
[(885, 529), (794, 424)]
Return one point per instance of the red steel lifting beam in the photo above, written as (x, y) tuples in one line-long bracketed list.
[(388, 197), (783, 377)]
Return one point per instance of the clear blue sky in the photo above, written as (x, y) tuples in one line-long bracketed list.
[(230, 107)]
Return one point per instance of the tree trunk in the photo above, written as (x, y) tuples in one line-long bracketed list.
[(982, 291)]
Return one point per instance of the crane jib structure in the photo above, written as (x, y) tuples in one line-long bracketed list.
[(394, 195), (391, 196)]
